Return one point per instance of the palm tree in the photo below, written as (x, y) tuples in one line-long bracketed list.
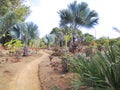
[(7, 22), (60, 38), (76, 16), (63, 35), (59, 35), (33, 31), (26, 32), (49, 39)]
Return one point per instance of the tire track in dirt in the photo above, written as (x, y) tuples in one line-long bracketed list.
[(27, 78)]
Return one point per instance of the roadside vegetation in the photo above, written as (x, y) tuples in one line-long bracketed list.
[(95, 63)]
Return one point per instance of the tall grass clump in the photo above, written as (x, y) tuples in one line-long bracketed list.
[(102, 71)]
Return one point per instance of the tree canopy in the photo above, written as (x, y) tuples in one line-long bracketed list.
[(78, 15), (17, 6)]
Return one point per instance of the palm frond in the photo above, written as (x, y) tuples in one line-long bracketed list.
[(91, 19), (7, 22), (66, 17), (116, 29), (83, 6), (73, 8)]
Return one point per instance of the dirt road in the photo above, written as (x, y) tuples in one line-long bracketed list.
[(27, 77)]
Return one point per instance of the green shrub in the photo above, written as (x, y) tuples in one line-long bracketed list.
[(102, 71), (118, 43), (65, 63), (55, 88)]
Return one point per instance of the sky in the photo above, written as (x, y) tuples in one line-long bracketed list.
[(44, 13)]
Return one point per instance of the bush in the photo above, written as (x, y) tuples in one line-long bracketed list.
[(65, 63), (102, 71), (118, 43)]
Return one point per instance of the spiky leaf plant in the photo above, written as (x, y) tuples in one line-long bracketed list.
[(101, 71)]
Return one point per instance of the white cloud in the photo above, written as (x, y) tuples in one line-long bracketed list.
[(44, 14)]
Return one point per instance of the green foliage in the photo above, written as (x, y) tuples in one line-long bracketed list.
[(112, 41), (17, 6), (118, 42), (25, 31), (67, 39), (11, 12), (55, 30), (65, 63), (59, 35), (60, 38), (103, 41), (49, 40), (101, 71), (7, 22), (14, 44), (65, 30), (78, 15), (79, 33), (42, 43), (89, 73), (35, 43), (88, 38), (54, 88), (5, 38)]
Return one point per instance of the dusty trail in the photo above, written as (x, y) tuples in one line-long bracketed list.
[(27, 77)]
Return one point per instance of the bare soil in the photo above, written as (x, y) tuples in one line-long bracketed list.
[(32, 73), (52, 78), (20, 75)]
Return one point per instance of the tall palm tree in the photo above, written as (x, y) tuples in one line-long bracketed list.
[(76, 16)]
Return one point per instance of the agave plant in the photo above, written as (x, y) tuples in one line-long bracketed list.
[(102, 71), (111, 67), (90, 73)]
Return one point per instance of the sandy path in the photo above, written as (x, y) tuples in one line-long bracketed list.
[(27, 77)]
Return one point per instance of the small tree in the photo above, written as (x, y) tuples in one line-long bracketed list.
[(49, 39), (88, 38), (15, 45)]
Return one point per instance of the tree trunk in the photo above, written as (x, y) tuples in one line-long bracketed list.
[(74, 33), (74, 40), (25, 51), (48, 46)]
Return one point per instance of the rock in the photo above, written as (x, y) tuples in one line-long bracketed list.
[(62, 76)]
